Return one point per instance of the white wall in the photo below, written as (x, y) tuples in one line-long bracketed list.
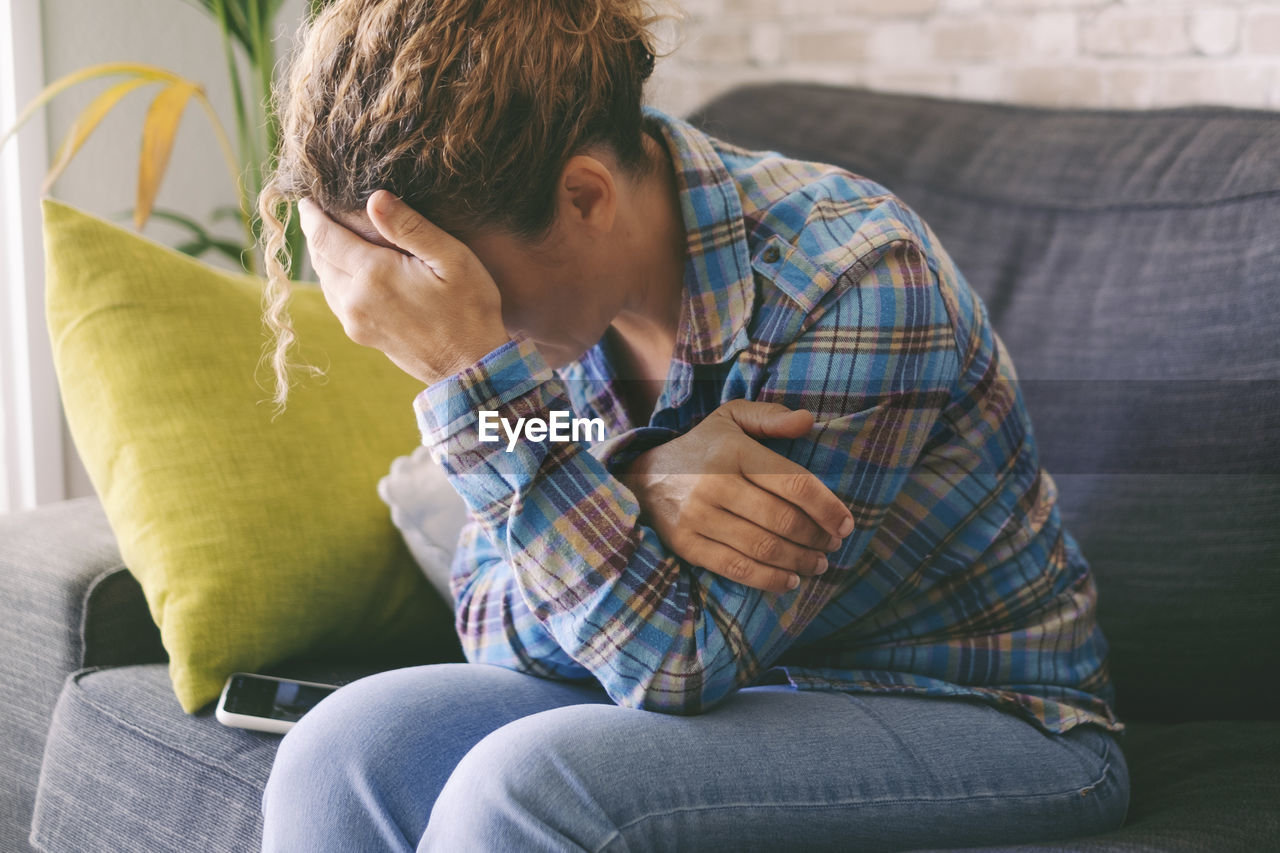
[(1092, 53), (169, 33)]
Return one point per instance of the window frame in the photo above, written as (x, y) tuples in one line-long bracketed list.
[(33, 464)]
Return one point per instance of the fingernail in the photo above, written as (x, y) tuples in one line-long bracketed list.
[(846, 528), (822, 564), (793, 581), (834, 543)]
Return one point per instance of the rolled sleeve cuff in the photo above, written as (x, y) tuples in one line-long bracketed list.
[(454, 403)]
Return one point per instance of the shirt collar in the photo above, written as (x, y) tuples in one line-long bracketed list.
[(719, 288)]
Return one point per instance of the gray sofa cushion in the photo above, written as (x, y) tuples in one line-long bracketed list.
[(1130, 261), (126, 769), (68, 602), (1203, 786), (1195, 787)]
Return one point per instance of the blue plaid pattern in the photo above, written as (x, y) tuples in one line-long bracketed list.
[(816, 288)]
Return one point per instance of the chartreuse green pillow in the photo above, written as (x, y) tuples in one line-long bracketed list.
[(254, 541)]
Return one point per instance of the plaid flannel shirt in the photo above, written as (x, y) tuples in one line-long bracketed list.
[(816, 288)]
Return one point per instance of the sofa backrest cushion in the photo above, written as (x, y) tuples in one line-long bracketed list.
[(1130, 261)]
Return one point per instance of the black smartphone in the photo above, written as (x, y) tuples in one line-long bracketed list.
[(265, 703)]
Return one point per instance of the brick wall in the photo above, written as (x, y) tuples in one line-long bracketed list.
[(1104, 53)]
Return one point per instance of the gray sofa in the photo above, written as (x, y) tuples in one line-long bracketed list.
[(1131, 263)]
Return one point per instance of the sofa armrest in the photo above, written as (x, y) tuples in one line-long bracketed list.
[(66, 598), (66, 602)]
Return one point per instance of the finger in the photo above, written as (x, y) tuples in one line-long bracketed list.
[(765, 509), (404, 227), (796, 484), (739, 568), (763, 545), (768, 420), (325, 271), (333, 282), (330, 241)]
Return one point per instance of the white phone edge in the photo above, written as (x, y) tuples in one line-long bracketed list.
[(257, 724)]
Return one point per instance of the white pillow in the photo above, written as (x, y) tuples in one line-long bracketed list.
[(428, 513)]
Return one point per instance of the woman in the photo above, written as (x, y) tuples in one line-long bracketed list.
[(811, 592)]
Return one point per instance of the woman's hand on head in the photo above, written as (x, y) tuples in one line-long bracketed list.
[(720, 499), (428, 304)]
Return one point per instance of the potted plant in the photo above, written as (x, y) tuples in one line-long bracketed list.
[(246, 28)]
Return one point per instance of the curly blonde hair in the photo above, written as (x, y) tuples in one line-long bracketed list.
[(466, 109)]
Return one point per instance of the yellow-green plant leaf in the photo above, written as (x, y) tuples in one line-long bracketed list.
[(92, 72), (85, 124), (158, 132)]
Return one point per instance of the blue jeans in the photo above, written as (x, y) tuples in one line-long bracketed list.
[(469, 757)]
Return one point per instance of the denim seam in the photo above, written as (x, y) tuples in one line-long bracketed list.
[(1106, 768), (1077, 791)]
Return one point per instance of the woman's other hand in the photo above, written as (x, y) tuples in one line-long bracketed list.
[(428, 303), (722, 500)]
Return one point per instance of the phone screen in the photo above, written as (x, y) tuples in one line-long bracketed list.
[(276, 700)]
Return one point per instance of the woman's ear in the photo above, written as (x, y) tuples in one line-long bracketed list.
[(587, 195)]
